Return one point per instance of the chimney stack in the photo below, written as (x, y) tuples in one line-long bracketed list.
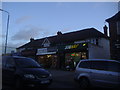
[(105, 30), (59, 33), (31, 39)]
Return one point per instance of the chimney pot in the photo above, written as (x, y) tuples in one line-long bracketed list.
[(105, 30), (59, 33), (31, 39)]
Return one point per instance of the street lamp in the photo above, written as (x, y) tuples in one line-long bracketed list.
[(7, 28)]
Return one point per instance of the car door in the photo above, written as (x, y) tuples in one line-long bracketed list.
[(113, 74), (9, 70), (98, 73)]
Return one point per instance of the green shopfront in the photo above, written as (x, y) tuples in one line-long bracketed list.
[(72, 54)]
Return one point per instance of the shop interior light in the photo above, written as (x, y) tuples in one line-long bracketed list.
[(84, 44), (41, 57), (48, 56), (73, 54), (55, 56), (77, 54)]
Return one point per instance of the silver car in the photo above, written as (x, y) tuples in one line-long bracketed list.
[(98, 72)]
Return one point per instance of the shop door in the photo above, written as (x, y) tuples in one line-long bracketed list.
[(74, 58)]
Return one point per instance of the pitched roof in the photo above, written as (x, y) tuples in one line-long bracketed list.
[(68, 37), (116, 17), (83, 34)]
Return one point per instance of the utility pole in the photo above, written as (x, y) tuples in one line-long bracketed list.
[(7, 29)]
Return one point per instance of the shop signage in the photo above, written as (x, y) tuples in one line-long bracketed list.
[(41, 50), (76, 46), (72, 46), (44, 51)]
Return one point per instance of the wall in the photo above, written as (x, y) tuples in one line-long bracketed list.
[(102, 51)]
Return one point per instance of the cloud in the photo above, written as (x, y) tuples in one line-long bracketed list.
[(14, 45), (27, 32), (23, 19)]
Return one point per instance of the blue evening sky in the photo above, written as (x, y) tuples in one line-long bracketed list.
[(42, 19)]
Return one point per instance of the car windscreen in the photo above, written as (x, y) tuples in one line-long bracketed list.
[(27, 63)]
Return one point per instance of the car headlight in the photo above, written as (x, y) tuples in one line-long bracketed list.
[(29, 76)]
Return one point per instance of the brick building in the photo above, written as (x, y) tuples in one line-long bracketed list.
[(114, 31)]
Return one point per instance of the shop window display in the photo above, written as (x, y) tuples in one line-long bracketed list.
[(48, 61), (72, 59)]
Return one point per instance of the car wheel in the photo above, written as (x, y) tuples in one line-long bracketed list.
[(18, 83), (84, 83)]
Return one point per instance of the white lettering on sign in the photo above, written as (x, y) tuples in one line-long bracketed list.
[(42, 50)]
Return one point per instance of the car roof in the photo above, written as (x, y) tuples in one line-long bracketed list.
[(14, 56), (100, 60)]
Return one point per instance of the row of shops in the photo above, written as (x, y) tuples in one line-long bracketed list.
[(59, 57), (69, 53)]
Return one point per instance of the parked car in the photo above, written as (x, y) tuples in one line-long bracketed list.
[(98, 73), (23, 71)]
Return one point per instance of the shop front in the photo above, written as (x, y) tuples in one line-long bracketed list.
[(74, 53), (47, 57), (73, 58)]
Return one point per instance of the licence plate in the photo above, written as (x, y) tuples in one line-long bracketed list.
[(44, 82)]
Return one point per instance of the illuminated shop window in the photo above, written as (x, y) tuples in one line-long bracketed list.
[(84, 55), (41, 57), (48, 56), (84, 44), (73, 54), (55, 56)]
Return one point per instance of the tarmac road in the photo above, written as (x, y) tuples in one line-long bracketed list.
[(61, 79)]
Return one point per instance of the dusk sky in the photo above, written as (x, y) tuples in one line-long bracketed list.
[(43, 19)]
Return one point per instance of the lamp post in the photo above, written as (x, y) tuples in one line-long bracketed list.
[(7, 28)]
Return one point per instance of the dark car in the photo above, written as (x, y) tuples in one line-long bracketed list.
[(22, 72)]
